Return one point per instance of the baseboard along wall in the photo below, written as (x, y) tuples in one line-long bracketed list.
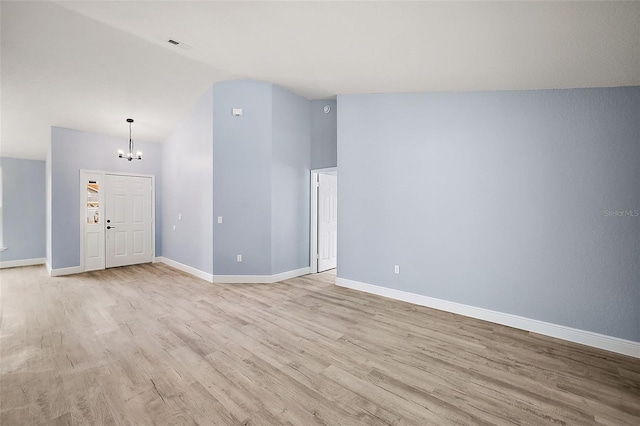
[(22, 262), (234, 279), (59, 272), (601, 341), (185, 268)]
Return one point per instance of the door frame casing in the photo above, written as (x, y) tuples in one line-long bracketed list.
[(313, 227), (83, 213)]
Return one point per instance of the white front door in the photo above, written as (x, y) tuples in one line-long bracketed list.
[(327, 221), (128, 220)]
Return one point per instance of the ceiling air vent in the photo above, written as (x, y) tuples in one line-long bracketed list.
[(180, 44)]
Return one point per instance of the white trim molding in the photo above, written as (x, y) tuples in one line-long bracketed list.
[(65, 271), (233, 279), (22, 262), (185, 268), (601, 341), (260, 279)]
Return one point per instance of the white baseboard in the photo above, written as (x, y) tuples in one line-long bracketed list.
[(65, 271), (22, 262), (233, 279), (185, 268), (260, 279), (601, 341), (291, 274)]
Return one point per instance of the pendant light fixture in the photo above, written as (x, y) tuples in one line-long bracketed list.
[(129, 155)]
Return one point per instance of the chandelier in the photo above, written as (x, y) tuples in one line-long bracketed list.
[(129, 155)]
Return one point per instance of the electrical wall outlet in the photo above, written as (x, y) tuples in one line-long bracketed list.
[(239, 258), (396, 269)]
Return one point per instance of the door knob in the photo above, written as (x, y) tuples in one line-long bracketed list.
[(109, 227)]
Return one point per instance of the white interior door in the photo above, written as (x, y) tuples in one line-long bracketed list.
[(92, 209), (128, 220), (327, 221)]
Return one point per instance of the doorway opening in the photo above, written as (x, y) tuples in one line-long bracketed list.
[(324, 219)]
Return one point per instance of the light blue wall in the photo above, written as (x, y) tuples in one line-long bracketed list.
[(24, 209), (324, 135), (242, 177), (72, 150), (290, 182), (187, 158), (497, 200), (261, 170)]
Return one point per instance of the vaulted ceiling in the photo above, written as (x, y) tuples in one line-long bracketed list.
[(89, 65)]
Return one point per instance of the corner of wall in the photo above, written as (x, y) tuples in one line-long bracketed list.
[(187, 188), (48, 219)]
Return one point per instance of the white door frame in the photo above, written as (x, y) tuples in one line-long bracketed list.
[(313, 229), (83, 210)]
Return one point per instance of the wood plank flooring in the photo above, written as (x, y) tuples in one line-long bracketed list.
[(148, 344)]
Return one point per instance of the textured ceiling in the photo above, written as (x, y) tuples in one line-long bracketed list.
[(89, 65)]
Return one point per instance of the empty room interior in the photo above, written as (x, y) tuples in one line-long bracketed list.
[(331, 213)]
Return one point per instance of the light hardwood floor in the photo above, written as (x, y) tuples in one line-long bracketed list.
[(148, 345)]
